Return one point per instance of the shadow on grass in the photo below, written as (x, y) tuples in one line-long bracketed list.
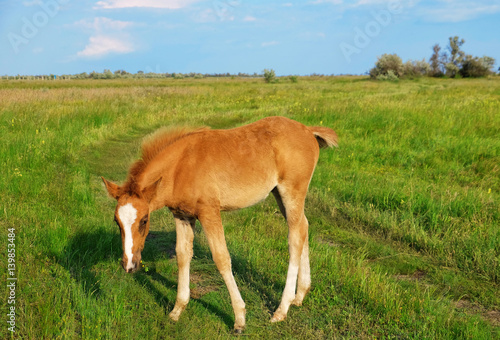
[(85, 251), (146, 280)]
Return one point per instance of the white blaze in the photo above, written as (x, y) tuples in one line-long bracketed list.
[(128, 214)]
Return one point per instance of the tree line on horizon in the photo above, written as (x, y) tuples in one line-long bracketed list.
[(451, 63), (122, 74)]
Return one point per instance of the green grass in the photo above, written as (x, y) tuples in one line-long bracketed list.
[(404, 215)]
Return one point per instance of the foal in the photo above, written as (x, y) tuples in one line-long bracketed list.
[(198, 173)]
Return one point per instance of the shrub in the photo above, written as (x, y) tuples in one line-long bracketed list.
[(422, 67), (269, 76), (386, 63), (476, 67), (451, 69), (416, 68), (391, 76)]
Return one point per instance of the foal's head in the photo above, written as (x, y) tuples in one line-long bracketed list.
[(132, 217)]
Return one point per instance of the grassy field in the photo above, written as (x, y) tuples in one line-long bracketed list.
[(404, 215)]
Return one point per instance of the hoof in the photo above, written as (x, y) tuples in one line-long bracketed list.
[(238, 331), (174, 316), (278, 317), (299, 297)]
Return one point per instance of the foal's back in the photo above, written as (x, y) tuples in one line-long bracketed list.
[(239, 167)]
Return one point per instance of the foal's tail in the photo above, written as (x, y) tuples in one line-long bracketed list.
[(326, 137)]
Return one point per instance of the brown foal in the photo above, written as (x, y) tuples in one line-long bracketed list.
[(197, 173)]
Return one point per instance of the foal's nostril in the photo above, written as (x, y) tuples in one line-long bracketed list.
[(132, 269)]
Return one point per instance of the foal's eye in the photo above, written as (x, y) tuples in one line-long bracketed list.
[(142, 224)]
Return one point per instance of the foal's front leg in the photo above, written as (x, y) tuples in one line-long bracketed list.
[(184, 228), (212, 226)]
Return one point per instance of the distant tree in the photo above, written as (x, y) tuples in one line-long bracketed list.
[(435, 62), (422, 67), (456, 54), (269, 76), (477, 67), (107, 74), (386, 63), (488, 62), (416, 68), (120, 73), (454, 60)]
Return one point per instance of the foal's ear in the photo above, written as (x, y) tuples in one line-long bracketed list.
[(112, 188), (150, 192)]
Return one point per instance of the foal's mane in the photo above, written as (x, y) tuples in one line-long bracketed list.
[(151, 146)]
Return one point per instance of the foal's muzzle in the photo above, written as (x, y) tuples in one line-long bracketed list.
[(131, 270), (130, 267)]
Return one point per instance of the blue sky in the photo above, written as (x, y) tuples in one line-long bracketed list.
[(218, 36)]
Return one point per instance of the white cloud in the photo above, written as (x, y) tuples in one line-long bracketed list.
[(374, 2), (32, 3), (102, 45), (107, 36), (167, 4), (435, 11), (249, 18), (269, 43), (312, 35), (103, 24), (360, 3), (335, 2), (205, 16), (457, 12)]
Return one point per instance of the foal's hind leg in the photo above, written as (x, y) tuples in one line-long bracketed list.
[(304, 277), (293, 203)]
